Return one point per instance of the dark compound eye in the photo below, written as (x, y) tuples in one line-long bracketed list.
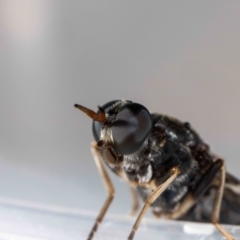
[(96, 126), (130, 128)]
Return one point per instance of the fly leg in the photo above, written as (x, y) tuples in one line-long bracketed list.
[(135, 201), (217, 167), (192, 197), (218, 201), (152, 197), (109, 187)]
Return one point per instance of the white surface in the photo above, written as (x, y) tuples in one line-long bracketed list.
[(24, 221)]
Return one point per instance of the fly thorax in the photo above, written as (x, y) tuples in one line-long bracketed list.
[(138, 166), (140, 172)]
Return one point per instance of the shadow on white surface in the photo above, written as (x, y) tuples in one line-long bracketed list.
[(25, 220)]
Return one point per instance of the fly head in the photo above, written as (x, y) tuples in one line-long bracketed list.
[(121, 125)]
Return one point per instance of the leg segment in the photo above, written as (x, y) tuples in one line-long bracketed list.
[(218, 201), (191, 199), (151, 198), (135, 202), (109, 187)]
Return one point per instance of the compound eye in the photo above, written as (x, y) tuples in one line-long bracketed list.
[(96, 126), (131, 128)]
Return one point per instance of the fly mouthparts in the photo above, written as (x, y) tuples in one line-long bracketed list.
[(104, 144)]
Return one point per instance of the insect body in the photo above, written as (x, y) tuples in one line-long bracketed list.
[(166, 162)]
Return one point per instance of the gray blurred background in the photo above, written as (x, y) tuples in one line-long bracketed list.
[(181, 58)]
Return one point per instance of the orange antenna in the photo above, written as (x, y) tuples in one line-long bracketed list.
[(100, 117)]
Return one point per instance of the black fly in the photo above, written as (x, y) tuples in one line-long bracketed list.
[(166, 163)]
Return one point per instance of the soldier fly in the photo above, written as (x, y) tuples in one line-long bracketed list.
[(165, 162)]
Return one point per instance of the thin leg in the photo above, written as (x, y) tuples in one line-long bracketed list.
[(135, 202), (151, 198), (192, 197), (109, 187), (218, 201)]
